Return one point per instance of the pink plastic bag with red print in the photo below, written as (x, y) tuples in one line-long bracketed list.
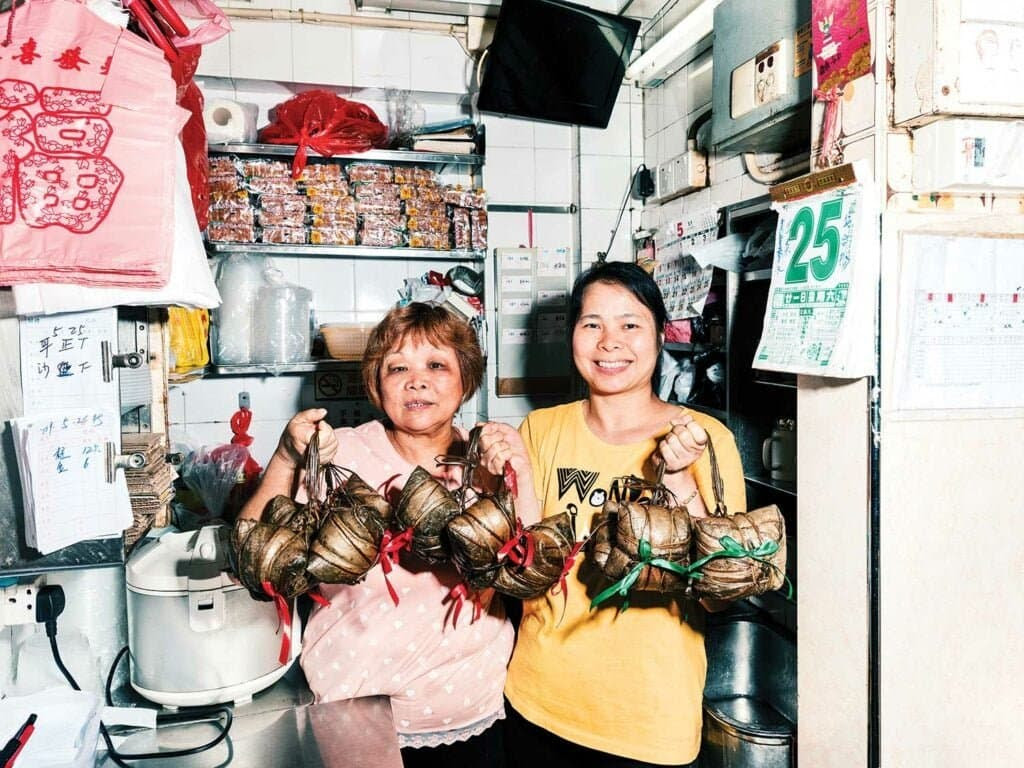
[(88, 125)]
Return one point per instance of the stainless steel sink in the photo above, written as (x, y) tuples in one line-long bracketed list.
[(750, 697)]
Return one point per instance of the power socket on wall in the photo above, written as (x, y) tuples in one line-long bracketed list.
[(19, 603)]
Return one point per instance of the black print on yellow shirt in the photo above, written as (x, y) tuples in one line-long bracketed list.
[(583, 481)]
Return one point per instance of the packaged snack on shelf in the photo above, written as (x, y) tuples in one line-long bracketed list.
[(375, 190), (332, 204), (378, 207), (271, 185), (370, 172), (425, 210), (267, 169), (467, 198), (224, 185), (412, 174), (327, 188), (281, 218), (334, 219), (223, 166), (233, 198), (333, 235), (421, 195), (383, 237), (427, 224), (288, 235), (436, 240), (478, 227), (226, 232), (232, 215), (461, 236), (321, 172), (285, 205), (389, 220)]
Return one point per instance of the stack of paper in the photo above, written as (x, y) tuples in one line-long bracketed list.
[(67, 727), (61, 460)]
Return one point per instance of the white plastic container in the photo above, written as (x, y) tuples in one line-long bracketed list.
[(239, 279), (281, 323)]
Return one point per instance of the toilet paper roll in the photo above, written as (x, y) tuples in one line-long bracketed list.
[(227, 120)]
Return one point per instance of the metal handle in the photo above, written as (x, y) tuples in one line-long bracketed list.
[(114, 461)]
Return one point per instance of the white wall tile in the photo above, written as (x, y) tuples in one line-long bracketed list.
[(261, 50), (274, 396), (265, 435), (596, 226), (553, 173), (550, 136), (323, 54), (378, 284), (603, 181), (438, 63), (553, 230), (636, 132), (727, 192), (652, 111), (209, 434), (215, 59), (176, 413), (613, 140), (380, 58), (507, 132), (509, 175), (213, 400), (331, 280), (726, 169)]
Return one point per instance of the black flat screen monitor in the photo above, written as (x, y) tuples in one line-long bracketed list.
[(552, 60)]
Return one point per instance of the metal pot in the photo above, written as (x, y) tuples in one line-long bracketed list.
[(749, 697)]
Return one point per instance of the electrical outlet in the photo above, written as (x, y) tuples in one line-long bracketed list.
[(769, 74), (19, 603)]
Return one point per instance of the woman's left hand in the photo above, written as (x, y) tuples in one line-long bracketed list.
[(682, 446)]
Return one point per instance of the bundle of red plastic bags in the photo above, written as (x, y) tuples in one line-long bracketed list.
[(327, 124)]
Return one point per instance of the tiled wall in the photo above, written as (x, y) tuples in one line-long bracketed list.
[(669, 112), (527, 163)]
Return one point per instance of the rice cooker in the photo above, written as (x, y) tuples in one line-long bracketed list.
[(195, 635)]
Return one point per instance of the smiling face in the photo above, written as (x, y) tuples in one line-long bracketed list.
[(420, 387), (615, 341)]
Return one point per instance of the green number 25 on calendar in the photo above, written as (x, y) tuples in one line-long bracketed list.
[(825, 242)]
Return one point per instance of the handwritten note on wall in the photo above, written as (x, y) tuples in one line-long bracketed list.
[(62, 361), (63, 478)]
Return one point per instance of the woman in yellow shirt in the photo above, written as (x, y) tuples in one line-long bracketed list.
[(607, 687)]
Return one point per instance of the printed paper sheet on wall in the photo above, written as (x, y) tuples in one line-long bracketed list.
[(961, 323), (820, 318), (684, 283)]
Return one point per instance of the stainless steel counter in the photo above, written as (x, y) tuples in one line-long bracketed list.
[(281, 728)]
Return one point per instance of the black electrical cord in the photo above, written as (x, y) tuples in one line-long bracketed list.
[(119, 757)]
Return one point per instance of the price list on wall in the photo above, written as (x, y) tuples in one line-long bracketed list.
[(819, 319)]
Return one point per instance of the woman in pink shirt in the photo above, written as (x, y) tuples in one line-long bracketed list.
[(444, 678)]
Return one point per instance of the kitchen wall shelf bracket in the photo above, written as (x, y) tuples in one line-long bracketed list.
[(525, 207), (346, 251)]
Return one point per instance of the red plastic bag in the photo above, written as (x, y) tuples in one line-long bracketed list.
[(326, 123)]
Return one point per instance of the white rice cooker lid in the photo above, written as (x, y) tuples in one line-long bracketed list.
[(176, 563)]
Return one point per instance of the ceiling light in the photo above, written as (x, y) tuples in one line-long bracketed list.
[(675, 49)]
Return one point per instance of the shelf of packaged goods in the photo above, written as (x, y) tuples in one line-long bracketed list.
[(783, 486), (346, 251), (277, 369), (373, 155)]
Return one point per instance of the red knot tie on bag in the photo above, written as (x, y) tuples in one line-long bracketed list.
[(390, 546), (457, 596), (521, 548), (285, 615)]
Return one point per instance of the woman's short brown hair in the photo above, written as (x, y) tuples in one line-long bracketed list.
[(432, 323)]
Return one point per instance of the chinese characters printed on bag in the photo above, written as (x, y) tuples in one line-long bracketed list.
[(52, 144)]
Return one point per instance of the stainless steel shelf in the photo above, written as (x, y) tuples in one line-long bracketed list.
[(783, 486), (524, 207), (345, 251), (277, 369), (779, 384), (383, 155)]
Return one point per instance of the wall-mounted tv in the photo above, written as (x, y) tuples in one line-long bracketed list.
[(553, 60)]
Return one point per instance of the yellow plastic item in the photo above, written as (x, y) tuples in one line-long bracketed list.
[(189, 329)]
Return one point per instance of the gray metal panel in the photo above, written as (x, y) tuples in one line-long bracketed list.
[(743, 28)]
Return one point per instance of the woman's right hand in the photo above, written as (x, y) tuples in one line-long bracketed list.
[(500, 443), (291, 448)]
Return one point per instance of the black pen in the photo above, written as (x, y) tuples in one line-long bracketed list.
[(16, 744)]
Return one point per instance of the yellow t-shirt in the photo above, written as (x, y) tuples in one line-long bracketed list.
[(627, 683)]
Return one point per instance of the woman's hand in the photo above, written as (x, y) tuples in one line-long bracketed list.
[(291, 448), (501, 443), (682, 446)]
